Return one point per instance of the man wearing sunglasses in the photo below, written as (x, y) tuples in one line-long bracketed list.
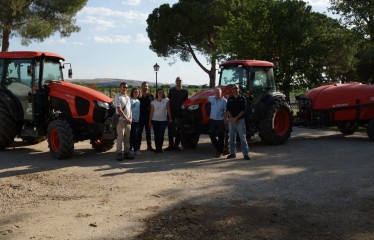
[(236, 107)]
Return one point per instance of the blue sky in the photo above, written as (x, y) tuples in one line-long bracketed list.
[(113, 43)]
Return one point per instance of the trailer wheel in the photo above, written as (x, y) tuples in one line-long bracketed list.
[(370, 129), (60, 139), (347, 128), (8, 127), (102, 145), (276, 126), (189, 141)]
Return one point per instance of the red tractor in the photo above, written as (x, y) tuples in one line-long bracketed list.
[(346, 106), (37, 104), (268, 114)]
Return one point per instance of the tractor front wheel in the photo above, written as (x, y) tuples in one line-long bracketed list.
[(276, 126), (347, 128), (60, 139), (189, 141), (102, 145)]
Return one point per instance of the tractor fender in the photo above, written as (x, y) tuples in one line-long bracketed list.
[(12, 104), (267, 101)]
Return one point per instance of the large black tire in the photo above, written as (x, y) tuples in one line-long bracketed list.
[(189, 141), (347, 128), (370, 129), (102, 145), (8, 127), (276, 126), (60, 139)]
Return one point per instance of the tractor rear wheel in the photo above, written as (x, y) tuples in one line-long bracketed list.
[(347, 128), (102, 145), (370, 129), (189, 141), (8, 127), (60, 139), (276, 126)]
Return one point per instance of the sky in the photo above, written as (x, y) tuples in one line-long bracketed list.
[(113, 43)]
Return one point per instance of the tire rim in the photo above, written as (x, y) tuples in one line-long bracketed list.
[(54, 140), (281, 122)]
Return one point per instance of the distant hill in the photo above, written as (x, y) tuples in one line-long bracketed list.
[(109, 82)]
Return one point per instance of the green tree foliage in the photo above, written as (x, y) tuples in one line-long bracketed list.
[(312, 48), (37, 19), (188, 28), (357, 14)]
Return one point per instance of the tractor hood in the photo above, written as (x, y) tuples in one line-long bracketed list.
[(67, 90), (201, 96), (332, 96)]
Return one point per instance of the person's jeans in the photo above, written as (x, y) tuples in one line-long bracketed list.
[(238, 128), (144, 124), (159, 131), (217, 134), (134, 135)]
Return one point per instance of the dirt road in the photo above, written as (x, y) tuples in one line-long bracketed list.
[(317, 186)]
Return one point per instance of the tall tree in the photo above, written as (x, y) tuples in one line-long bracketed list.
[(356, 14), (37, 19), (188, 28)]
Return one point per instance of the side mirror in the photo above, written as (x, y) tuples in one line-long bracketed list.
[(70, 73)]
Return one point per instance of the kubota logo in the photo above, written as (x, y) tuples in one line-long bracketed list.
[(340, 105)]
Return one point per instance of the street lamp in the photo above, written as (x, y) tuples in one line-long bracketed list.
[(156, 67)]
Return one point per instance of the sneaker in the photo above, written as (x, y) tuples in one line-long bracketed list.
[(226, 152), (218, 155), (132, 152), (138, 153), (231, 155), (150, 148), (119, 157), (170, 148), (128, 155), (246, 157)]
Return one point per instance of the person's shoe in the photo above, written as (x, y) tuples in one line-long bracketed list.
[(246, 157), (132, 152), (231, 155), (138, 153), (160, 151), (119, 157), (128, 155), (177, 148), (150, 148), (218, 155), (170, 148), (226, 152)]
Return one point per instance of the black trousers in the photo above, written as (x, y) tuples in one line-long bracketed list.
[(217, 134), (144, 123), (173, 135)]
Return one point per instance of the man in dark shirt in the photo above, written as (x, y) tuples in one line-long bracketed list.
[(236, 107), (145, 100), (177, 95)]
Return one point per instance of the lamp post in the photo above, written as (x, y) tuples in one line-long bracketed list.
[(156, 67)]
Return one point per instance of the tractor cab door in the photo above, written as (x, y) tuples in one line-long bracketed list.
[(18, 79), (261, 82)]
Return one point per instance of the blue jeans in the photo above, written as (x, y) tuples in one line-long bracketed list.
[(239, 128), (159, 131)]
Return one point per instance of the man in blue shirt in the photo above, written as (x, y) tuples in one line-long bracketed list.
[(217, 124)]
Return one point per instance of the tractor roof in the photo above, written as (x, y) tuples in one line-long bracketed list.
[(247, 63), (27, 55)]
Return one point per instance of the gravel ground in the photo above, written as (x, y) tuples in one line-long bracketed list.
[(317, 186)]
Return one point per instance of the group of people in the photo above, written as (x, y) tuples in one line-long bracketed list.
[(141, 110)]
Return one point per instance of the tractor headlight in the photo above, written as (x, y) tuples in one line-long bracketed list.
[(103, 104), (193, 107)]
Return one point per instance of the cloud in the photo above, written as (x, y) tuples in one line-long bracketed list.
[(106, 12), (131, 2), (100, 24), (125, 39), (141, 38)]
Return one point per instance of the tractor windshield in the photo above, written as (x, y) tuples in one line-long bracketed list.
[(51, 71), (259, 77)]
